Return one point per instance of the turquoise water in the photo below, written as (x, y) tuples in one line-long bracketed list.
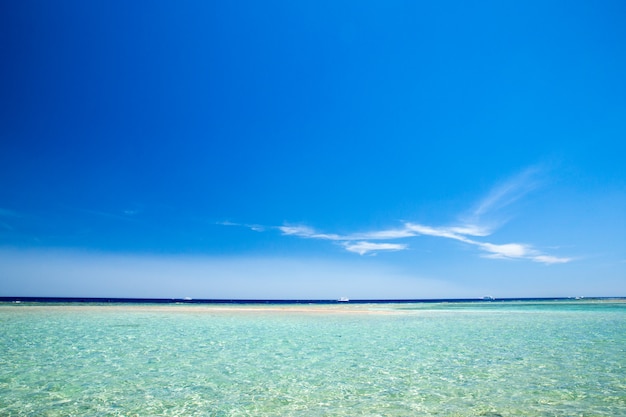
[(470, 359)]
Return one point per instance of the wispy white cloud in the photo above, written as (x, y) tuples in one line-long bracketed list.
[(364, 247), (549, 259), (471, 230), (398, 233), (467, 231), (494, 251), (362, 244), (507, 192), (450, 233), (307, 232), (255, 227), (228, 223), (519, 251), (507, 250)]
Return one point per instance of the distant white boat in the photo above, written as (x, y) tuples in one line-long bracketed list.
[(343, 300), (488, 298)]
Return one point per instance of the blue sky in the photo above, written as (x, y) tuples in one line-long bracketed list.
[(283, 149)]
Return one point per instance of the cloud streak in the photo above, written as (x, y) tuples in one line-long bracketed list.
[(355, 243), (510, 191), (363, 247), (468, 232), (506, 193)]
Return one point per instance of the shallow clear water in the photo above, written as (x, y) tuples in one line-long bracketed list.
[(469, 359)]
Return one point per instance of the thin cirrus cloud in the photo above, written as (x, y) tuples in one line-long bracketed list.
[(364, 247), (362, 243), (505, 194), (467, 231)]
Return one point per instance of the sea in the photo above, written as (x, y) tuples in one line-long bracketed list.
[(529, 358)]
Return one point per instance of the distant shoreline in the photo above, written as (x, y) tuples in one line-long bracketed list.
[(115, 300)]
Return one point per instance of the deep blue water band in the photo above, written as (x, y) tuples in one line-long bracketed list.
[(266, 301)]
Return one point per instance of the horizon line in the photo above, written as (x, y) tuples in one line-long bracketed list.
[(187, 300)]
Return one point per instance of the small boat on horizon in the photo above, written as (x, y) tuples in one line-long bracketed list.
[(343, 300)]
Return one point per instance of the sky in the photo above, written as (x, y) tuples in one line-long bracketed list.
[(312, 149)]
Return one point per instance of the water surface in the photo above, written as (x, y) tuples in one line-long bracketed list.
[(444, 359)]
